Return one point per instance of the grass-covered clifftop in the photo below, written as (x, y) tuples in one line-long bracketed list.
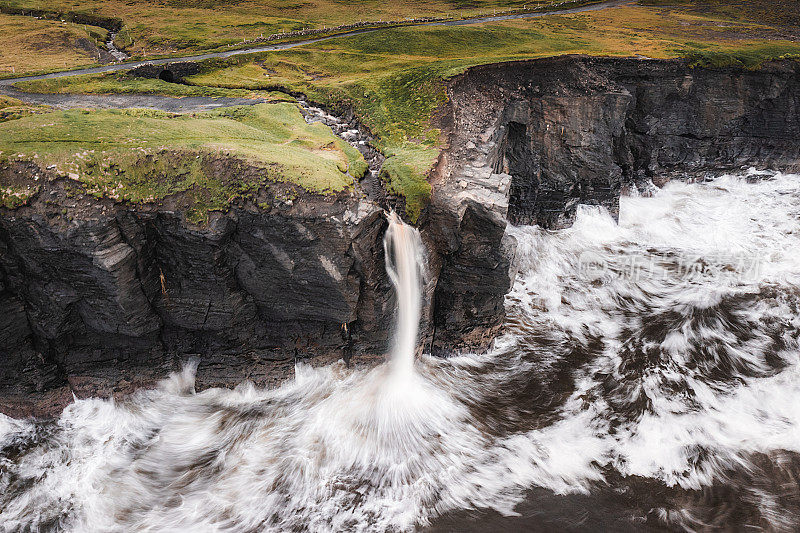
[(213, 157), (394, 80)]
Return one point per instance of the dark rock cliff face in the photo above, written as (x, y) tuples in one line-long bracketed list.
[(99, 297), (96, 293), (573, 130), (529, 141)]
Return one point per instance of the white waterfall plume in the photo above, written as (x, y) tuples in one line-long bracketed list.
[(404, 264)]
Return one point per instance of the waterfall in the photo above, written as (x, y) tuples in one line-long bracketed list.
[(404, 261), (657, 358), (116, 53)]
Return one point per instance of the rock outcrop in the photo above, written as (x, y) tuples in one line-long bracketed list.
[(529, 141), (95, 293), (99, 297), (573, 130)]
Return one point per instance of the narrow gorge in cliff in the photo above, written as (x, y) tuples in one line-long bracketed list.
[(400, 268)]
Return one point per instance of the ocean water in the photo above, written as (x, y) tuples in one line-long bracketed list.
[(647, 379)]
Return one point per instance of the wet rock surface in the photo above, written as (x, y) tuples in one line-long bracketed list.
[(100, 298), (346, 126), (530, 141), (573, 130)]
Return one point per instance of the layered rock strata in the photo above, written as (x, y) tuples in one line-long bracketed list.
[(99, 297)]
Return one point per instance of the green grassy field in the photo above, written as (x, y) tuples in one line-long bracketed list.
[(143, 156), (122, 83), (31, 45), (171, 26), (395, 79)]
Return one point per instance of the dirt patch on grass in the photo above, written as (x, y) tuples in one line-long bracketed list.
[(19, 182)]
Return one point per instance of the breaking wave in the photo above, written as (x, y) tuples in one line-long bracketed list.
[(654, 360)]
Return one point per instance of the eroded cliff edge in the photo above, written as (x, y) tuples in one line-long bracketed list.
[(96, 293), (529, 141), (99, 297)]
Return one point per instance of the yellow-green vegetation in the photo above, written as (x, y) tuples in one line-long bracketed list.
[(122, 83), (782, 13), (393, 79), (213, 158), (31, 45), (153, 27), (15, 196), (11, 108)]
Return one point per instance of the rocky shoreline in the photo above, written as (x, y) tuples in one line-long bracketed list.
[(101, 297), (529, 141)]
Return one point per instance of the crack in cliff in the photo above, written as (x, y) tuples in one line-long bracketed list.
[(33, 339), (140, 277)]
